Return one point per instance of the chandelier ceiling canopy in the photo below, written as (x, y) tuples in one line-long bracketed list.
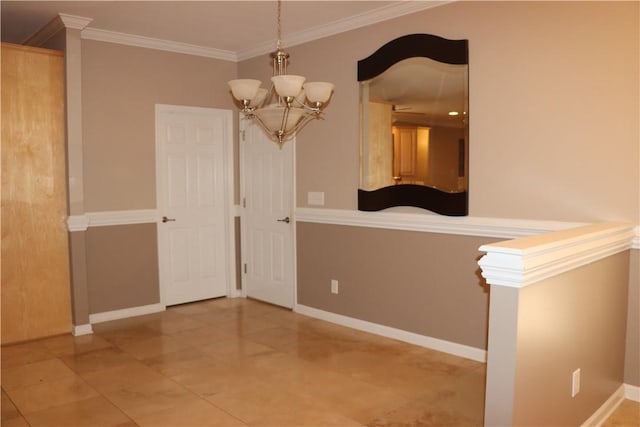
[(288, 104)]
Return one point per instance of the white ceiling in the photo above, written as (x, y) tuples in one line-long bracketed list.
[(242, 28)]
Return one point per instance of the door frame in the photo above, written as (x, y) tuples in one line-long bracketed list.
[(242, 123), (228, 185)]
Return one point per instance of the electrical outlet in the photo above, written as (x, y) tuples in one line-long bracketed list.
[(575, 383), (334, 286)]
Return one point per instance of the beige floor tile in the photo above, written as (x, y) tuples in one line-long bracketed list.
[(175, 325), (203, 335), (66, 345), (35, 373), (50, 394), (96, 360), (235, 348), (153, 346), (269, 405), (129, 374), (352, 398), (22, 354), (145, 399), (420, 413), (126, 334), (94, 412), (198, 413), (216, 378), (279, 338), (7, 408), (176, 363), (243, 325), (15, 422)]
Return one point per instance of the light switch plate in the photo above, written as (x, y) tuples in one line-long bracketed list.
[(315, 198)]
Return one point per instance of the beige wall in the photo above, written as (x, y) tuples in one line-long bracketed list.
[(574, 320), (122, 266), (423, 283), (120, 87), (553, 107)]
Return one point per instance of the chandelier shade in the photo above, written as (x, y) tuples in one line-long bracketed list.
[(288, 85), (277, 118), (244, 88), (288, 105)]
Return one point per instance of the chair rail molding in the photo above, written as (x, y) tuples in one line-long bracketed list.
[(107, 218)]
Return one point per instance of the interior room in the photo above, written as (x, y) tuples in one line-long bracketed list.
[(172, 254)]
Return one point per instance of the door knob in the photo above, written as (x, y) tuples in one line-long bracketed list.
[(286, 219), (165, 219)]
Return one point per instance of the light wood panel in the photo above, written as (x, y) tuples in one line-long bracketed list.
[(36, 300)]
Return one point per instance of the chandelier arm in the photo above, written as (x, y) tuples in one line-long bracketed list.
[(302, 123), (316, 109), (285, 119)]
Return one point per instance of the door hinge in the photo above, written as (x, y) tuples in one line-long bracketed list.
[(243, 135), (244, 202), (245, 268)]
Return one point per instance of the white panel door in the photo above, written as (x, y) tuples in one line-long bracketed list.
[(193, 203), (267, 217)]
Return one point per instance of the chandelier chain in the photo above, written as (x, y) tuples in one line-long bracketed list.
[(279, 25)]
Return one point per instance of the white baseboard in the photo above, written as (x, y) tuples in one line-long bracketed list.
[(82, 330), (126, 312), (461, 350), (607, 408), (632, 392)]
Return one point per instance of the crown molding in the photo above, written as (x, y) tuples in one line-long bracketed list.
[(380, 14), (384, 13), (158, 44), (73, 21), (56, 25)]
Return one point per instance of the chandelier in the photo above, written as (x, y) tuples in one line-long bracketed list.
[(288, 105)]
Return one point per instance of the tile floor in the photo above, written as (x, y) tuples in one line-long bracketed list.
[(237, 362)]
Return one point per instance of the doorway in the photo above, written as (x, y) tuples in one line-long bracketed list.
[(194, 184), (268, 226)]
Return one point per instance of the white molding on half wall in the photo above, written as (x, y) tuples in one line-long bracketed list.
[(522, 262), (126, 312), (456, 349), (432, 223)]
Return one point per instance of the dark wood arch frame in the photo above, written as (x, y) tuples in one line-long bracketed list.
[(409, 46)]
